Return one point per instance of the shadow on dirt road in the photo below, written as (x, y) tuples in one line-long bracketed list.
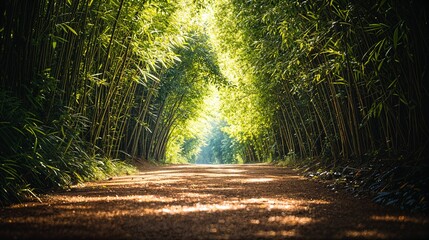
[(207, 202)]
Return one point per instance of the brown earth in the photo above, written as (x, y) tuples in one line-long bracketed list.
[(207, 202)]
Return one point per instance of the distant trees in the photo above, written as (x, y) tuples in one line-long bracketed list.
[(220, 148), (180, 97)]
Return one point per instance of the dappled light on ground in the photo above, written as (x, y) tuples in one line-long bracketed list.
[(365, 234), (206, 202), (390, 218)]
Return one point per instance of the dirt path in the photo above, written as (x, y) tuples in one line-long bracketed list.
[(207, 202)]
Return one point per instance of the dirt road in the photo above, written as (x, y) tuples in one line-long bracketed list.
[(207, 202)]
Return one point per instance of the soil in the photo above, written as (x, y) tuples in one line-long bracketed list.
[(208, 202)]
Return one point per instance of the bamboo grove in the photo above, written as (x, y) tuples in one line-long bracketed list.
[(340, 82), (85, 83)]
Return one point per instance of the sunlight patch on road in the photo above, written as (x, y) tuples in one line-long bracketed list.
[(189, 175), (160, 178), (137, 198), (291, 220), (286, 206), (179, 209), (228, 170), (256, 180), (400, 218), (207, 188), (365, 234), (134, 181), (270, 234), (195, 195)]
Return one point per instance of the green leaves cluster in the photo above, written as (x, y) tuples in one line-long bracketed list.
[(35, 157)]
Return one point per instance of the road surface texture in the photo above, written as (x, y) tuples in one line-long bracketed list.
[(207, 202)]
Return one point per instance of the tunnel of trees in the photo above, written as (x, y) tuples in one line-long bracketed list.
[(87, 85)]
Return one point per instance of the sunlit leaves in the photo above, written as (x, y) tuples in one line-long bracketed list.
[(185, 87), (325, 75)]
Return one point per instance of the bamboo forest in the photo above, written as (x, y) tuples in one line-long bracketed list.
[(338, 88)]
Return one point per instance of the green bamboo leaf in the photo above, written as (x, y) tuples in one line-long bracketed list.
[(395, 38), (66, 28), (70, 29), (340, 82), (9, 170)]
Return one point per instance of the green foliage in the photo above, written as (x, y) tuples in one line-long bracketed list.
[(35, 157), (182, 94), (249, 120), (328, 79), (220, 148)]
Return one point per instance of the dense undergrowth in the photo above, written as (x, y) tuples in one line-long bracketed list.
[(401, 186), (35, 157)]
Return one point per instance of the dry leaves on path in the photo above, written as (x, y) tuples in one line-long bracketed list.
[(207, 202)]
